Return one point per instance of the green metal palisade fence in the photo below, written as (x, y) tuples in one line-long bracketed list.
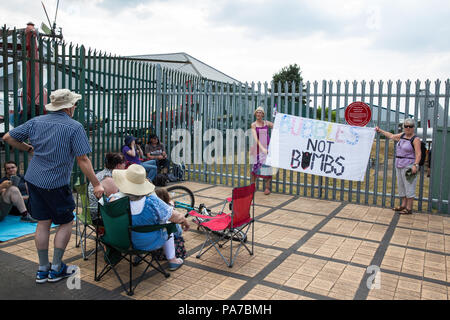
[(123, 96)]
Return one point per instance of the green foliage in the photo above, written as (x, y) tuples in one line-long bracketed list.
[(319, 114), (289, 74)]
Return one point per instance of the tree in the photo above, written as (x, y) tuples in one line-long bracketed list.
[(289, 74)]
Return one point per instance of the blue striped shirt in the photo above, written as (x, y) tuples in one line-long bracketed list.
[(57, 139)]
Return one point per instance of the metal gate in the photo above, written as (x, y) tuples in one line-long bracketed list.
[(123, 96)]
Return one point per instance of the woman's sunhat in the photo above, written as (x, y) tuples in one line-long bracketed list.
[(259, 109), (62, 99), (133, 180)]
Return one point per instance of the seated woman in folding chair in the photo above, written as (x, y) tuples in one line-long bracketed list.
[(148, 209), (113, 160)]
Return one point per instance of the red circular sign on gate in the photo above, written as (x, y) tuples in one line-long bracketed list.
[(358, 114)]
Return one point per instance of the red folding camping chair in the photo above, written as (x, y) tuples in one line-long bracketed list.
[(229, 227)]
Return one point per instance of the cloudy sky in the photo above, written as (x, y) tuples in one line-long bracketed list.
[(250, 40)]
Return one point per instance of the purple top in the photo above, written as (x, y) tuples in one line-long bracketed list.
[(405, 154), (129, 158), (262, 134)]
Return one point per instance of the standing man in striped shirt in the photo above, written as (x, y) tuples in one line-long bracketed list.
[(55, 140)]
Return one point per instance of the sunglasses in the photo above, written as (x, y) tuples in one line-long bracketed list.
[(409, 127)]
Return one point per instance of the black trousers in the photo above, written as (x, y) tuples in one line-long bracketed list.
[(163, 163)]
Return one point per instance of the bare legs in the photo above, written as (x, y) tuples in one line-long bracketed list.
[(42, 235), (268, 182), (13, 196), (408, 203), (403, 202), (62, 236)]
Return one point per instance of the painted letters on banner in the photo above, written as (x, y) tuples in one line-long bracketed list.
[(318, 147)]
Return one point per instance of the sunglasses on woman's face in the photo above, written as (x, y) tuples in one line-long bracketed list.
[(409, 127)]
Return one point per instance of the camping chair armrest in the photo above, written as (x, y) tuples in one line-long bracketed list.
[(170, 227)]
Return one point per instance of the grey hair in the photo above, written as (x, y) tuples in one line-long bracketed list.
[(409, 122)]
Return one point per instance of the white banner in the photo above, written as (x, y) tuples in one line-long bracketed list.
[(318, 147)]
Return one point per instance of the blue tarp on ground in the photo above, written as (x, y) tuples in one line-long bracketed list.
[(11, 227)]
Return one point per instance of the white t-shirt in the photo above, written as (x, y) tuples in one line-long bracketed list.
[(136, 207)]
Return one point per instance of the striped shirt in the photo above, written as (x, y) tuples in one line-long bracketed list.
[(92, 198), (57, 139)]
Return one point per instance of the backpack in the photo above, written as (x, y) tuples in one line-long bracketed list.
[(178, 171), (423, 149), (160, 180), (172, 177)]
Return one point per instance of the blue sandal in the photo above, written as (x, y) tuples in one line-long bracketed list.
[(174, 266)]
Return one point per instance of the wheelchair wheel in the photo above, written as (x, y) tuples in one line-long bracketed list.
[(182, 194)]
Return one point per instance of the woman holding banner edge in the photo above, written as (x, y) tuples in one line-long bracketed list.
[(260, 131), (407, 160)]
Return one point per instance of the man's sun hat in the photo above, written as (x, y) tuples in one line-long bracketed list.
[(62, 99), (259, 109), (133, 180)]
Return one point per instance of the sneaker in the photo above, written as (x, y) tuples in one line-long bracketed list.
[(28, 218), (64, 272), (42, 276)]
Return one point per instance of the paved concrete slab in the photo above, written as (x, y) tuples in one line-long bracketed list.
[(304, 249)]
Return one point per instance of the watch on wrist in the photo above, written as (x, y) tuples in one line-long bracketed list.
[(30, 148), (417, 165)]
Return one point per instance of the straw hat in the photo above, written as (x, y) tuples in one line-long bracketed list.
[(62, 99), (259, 109), (133, 180)]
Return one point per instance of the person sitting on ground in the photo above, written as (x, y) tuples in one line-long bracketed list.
[(148, 209), (154, 150), (180, 250), (17, 180), (113, 160), (133, 154), (10, 196)]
